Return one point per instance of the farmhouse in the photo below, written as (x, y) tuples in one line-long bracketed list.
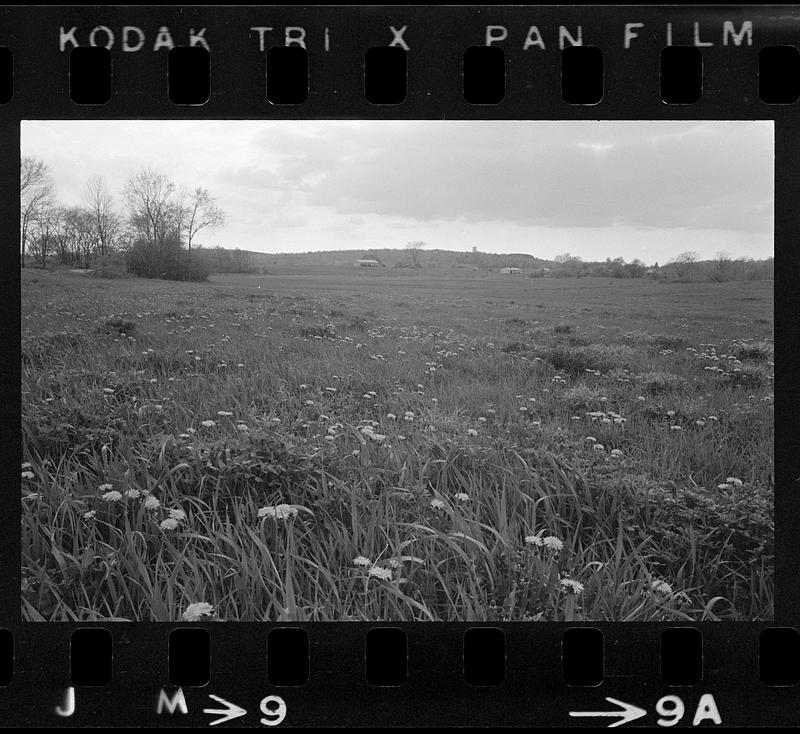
[(511, 271), (364, 263)]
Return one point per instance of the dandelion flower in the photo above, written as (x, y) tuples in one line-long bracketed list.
[(437, 504), (208, 424), (700, 423), (660, 587), (599, 447), (675, 428), (552, 543), (462, 497), (472, 432), (152, 503), (26, 465), (28, 475), (279, 512), (384, 574), (112, 496), (534, 540), (195, 612), (90, 514), (133, 493), (224, 413), (591, 439), (177, 514), (391, 416), (105, 487), (616, 453), (169, 524), (734, 481), (723, 486), (362, 561), (576, 587)]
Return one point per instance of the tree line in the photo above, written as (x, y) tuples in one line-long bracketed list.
[(686, 267), (152, 233)]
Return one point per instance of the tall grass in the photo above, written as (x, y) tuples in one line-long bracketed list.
[(367, 465)]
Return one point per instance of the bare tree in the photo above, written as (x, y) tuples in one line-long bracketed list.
[(722, 263), (154, 217), (105, 222), (415, 250), (36, 196), (200, 212), (151, 210), (684, 264), (41, 233)]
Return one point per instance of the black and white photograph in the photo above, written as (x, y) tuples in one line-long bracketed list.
[(390, 370)]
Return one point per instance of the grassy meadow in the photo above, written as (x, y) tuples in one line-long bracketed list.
[(362, 445)]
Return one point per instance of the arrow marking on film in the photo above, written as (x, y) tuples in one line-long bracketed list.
[(628, 713), (232, 711)]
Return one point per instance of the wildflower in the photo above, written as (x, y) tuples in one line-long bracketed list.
[(616, 453), (660, 587), (734, 481), (241, 427), (152, 503), (112, 496), (362, 561), (591, 439), (28, 475), (437, 504), (384, 574), (105, 487), (482, 419), (462, 497), (576, 587), (208, 424), (309, 402), (279, 512), (224, 413), (552, 543), (391, 416), (177, 514), (108, 390), (599, 447), (90, 514), (168, 524), (195, 612), (132, 493), (523, 409), (723, 486), (472, 432), (26, 465), (534, 540), (675, 428), (303, 387), (671, 413), (641, 398), (700, 423)]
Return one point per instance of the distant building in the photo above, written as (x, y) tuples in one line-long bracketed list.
[(369, 264), (511, 271), (474, 249)]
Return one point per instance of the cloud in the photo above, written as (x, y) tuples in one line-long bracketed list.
[(714, 175)]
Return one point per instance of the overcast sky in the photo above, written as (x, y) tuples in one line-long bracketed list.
[(647, 190)]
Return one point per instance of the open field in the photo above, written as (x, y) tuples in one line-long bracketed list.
[(372, 446)]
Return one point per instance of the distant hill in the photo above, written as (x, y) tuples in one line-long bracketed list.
[(392, 258)]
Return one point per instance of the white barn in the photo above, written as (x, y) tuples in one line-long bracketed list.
[(365, 263), (511, 271)]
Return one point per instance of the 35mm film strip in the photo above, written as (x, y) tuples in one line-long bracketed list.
[(439, 352)]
